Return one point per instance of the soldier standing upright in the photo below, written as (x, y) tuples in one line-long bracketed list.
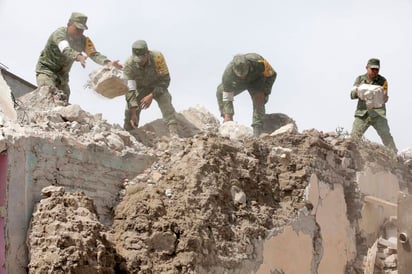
[(371, 90)]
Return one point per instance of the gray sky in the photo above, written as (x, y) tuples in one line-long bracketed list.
[(317, 47)]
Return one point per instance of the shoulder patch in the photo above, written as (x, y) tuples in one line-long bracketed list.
[(385, 86), (160, 64), (89, 48), (268, 71)]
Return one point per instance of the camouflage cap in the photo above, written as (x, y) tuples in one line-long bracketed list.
[(139, 50), (79, 20), (374, 63), (240, 65)]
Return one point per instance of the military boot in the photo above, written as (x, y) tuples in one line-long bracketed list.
[(173, 132), (257, 131), (60, 98)]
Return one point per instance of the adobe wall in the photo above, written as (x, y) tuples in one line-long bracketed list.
[(37, 162)]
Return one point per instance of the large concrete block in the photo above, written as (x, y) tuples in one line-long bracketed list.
[(108, 81), (289, 251)]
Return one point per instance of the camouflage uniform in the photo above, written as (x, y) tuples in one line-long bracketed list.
[(54, 64), (260, 77), (376, 117), (153, 78)]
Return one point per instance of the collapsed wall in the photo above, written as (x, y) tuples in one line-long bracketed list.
[(291, 203), (287, 202)]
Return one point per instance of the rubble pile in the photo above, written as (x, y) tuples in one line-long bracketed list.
[(209, 202), (40, 115), (382, 256), (204, 207)]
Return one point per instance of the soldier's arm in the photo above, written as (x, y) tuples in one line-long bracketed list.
[(228, 93), (59, 38), (162, 70), (91, 51), (131, 97), (269, 74), (354, 90), (385, 91)]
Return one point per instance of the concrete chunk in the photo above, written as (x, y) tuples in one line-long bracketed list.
[(108, 81)]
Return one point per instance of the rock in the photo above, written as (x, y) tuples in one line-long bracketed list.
[(49, 190), (235, 131)]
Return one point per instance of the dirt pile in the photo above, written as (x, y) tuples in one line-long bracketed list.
[(66, 237), (208, 202)]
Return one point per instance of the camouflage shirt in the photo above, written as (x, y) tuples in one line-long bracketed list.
[(153, 77), (361, 108), (54, 61), (260, 77)]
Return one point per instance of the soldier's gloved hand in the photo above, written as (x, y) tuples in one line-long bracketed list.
[(115, 64), (146, 101), (82, 59)]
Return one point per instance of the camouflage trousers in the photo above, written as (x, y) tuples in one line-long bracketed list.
[(164, 101), (60, 82), (380, 123), (259, 99)]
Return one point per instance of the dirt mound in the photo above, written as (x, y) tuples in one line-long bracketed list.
[(209, 201), (66, 236)]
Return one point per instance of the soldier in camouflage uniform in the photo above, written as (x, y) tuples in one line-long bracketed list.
[(148, 79), (63, 48), (246, 72), (375, 117)]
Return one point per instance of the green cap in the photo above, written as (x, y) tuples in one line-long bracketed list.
[(240, 65), (374, 63), (139, 50), (79, 20)]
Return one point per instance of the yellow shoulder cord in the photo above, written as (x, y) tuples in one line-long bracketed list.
[(269, 71), (385, 87), (89, 48), (160, 65)]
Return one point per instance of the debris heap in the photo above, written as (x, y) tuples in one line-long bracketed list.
[(207, 202)]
